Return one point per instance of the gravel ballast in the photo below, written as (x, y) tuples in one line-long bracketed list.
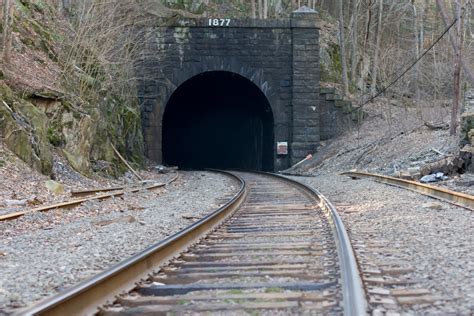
[(43, 253), (434, 238)]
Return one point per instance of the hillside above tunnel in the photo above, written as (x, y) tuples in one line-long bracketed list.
[(82, 95)]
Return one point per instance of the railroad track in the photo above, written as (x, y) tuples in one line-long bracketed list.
[(453, 197), (115, 192), (276, 246), (391, 280)]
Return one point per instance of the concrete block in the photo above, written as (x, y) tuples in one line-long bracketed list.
[(327, 90), (332, 96)]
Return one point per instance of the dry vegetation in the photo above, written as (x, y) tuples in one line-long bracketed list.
[(81, 54)]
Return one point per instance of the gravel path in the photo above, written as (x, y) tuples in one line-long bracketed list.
[(395, 226), (43, 253)]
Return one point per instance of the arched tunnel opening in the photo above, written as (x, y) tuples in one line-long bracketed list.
[(219, 120)]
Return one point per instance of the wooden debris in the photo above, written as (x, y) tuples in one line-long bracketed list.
[(415, 300), (432, 205), (126, 163), (448, 165), (378, 291), (437, 125), (397, 271), (437, 151), (190, 217), (15, 202), (380, 300), (8, 108), (409, 292)]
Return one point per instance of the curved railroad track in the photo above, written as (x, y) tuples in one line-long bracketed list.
[(453, 197), (276, 246)]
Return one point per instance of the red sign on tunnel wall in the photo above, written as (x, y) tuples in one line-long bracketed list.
[(282, 148)]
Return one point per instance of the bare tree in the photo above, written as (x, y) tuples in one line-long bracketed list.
[(342, 46), (64, 6), (467, 69), (417, 42), (253, 9), (8, 7), (354, 37), (457, 71), (278, 7), (378, 37), (364, 61)]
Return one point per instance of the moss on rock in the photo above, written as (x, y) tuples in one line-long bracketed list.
[(38, 122), (6, 93), (121, 126), (25, 131), (16, 137), (467, 126)]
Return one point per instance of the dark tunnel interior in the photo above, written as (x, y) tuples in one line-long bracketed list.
[(218, 120)]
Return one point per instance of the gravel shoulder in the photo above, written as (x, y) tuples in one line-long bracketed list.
[(394, 227), (43, 253)]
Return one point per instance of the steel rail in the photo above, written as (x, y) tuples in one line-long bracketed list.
[(86, 297), (354, 295), (142, 184), (453, 197), (14, 215)]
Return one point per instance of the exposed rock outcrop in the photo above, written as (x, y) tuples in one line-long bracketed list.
[(24, 129)]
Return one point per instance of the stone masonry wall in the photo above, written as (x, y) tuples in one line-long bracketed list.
[(280, 57), (305, 86)]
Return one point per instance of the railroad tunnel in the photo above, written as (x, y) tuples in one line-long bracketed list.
[(218, 119)]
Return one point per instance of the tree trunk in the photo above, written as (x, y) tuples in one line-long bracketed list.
[(467, 69), (260, 9), (457, 74), (342, 47), (278, 7), (265, 9), (7, 30), (294, 3), (378, 36), (364, 59), (421, 39), (418, 40), (253, 9), (64, 6), (354, 42), (417, 52)]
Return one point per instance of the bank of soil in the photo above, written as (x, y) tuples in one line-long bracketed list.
[(392, 138)]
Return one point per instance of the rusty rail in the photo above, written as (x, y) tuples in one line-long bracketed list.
[(74, 202), (453, 197), (140, 185)]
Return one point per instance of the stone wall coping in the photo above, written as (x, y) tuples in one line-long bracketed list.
[(298, 20)]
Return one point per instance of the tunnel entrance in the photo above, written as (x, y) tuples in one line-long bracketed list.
[(221, 120)]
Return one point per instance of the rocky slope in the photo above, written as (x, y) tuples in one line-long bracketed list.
[(395, 140), (38, 112)]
